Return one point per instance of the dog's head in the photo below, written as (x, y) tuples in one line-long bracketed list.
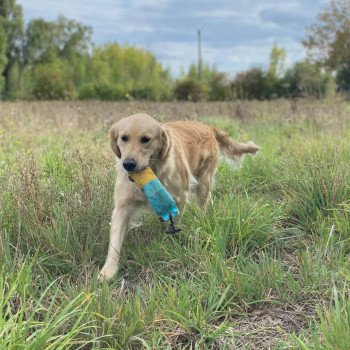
[(139, 140)]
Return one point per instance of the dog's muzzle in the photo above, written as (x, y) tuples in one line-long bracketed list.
[(129, 164)]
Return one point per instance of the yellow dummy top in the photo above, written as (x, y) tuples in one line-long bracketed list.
[(143, 177)]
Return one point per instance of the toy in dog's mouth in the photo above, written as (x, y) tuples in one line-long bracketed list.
[(157, 196)]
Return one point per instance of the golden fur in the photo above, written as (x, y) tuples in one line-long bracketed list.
[(183, 155)]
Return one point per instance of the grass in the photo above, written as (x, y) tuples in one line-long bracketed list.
[(266, 266)]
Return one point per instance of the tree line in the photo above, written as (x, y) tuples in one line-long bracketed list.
[(58, 60)]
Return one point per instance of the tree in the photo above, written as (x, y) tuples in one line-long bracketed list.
[(11, 27), (213, 84), (63, 38), (53, 81), (277, 62), (189, 89), (305, 79), (275, 72), (55, 55), (219, 86), (249, 84), (328, 40), (3, 58), (123, 72)]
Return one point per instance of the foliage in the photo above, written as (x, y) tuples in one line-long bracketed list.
[(55, 56), (302, 80), (250, 84), (189, 89), (305, 79), (212, 85), (3, 57), (328, 40), (46, 41), (118, 72), (11, 26), (256, 83), (277, 62), (275, 72), (219, 87), (57, 60), (53, 81)]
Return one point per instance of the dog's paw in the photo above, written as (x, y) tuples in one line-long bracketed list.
[(106, 274)]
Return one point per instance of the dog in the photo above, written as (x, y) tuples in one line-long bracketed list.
[(183, 155)]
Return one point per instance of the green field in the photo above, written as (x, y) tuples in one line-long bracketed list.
[(267, 266)]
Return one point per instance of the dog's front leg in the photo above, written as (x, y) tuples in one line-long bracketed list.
[(119, 226)]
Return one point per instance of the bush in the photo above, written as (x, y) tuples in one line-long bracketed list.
[(87, 92), (109, 92), (52, 82), (249, 85), (189, 90), (122, 72), (305, 79), (219, 87)]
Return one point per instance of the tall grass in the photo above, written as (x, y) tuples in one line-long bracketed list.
[(37, 317), (332, 330), (267, 265), (318, 184)]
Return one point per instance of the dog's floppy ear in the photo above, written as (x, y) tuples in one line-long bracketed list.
[(113, 137), (165, 145)]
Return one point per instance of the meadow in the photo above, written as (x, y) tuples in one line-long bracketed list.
[(267, 266)]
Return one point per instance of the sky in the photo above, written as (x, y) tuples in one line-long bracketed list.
[(236, 34)]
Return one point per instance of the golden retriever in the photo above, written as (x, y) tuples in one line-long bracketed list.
[(183, 155)]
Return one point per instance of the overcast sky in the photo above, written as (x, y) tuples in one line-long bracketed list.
[(236, 34)]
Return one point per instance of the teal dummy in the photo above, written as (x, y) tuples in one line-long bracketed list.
[(157, 196)]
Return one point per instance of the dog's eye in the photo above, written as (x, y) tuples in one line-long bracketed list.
[(124, 138), (145, 139)]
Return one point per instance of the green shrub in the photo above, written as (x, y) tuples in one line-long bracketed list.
[(87, 92), (109, 92), (189, 90), (316, 184), (305, 79), (52, 81), (249, 85)]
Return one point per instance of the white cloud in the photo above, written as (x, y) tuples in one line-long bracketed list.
[(236, 34), (232, 60), (150, 4)]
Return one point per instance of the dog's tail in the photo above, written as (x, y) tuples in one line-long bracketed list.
[(233, 149)]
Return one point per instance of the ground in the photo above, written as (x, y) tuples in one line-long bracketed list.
[(265, 267)]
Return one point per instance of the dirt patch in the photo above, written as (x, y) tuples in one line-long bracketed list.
[(270, 324), (261, 329)]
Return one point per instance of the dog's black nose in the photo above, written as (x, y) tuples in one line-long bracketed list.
[(129, 164)]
